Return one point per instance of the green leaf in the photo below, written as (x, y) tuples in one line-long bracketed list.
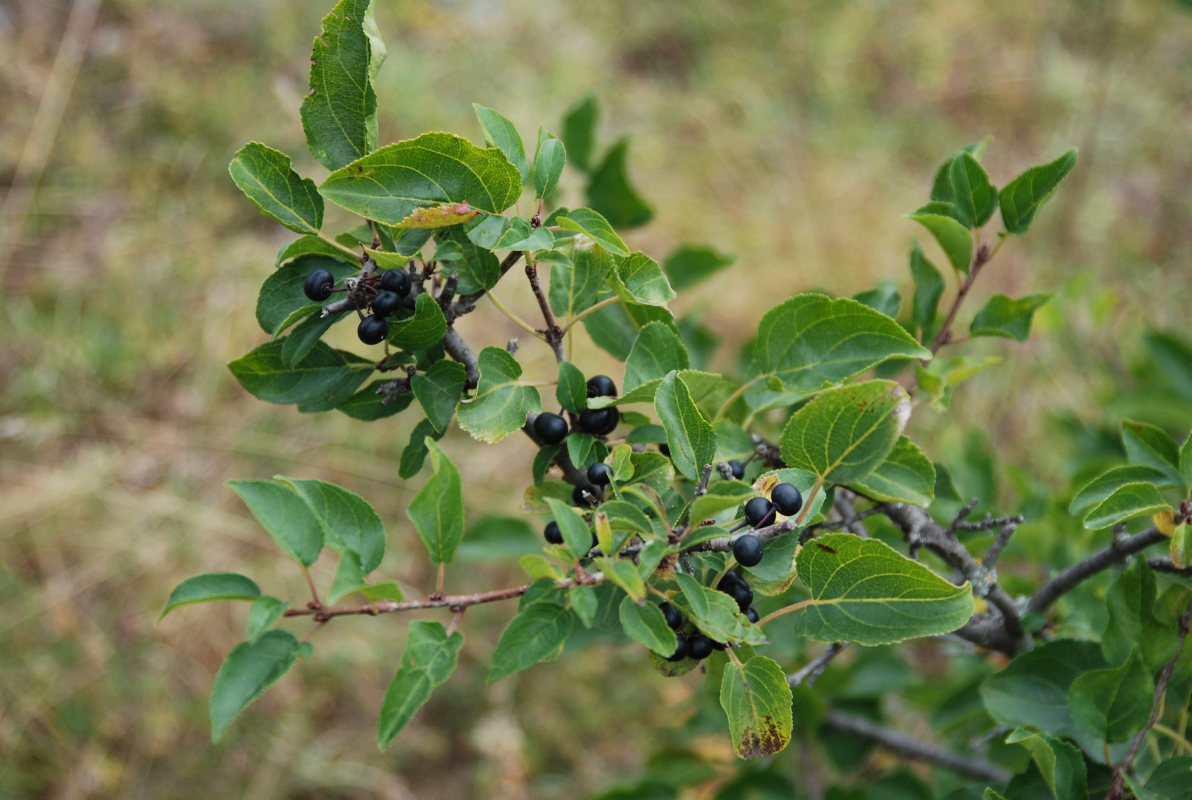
[(593, 225), (1109, 482), (577, 536), (954, 238), (281, 294), (624, 575), (1135, 619), (691, 264), (438, 391), (264, 612), (757, 700), (1032, 690), (575, 286), (246, 673), (579, 131), (431, 656), (864, 591), (367, 404), (571, 390), (1127, 502), (1171, 780), (614, 328), (691, 439), (536, 634), (1007, 317), (477, 267), (906, 476), (214, 586), (1172, 359), (549, 161), (347, 518), (521, 236), (339, 115), (644, 623), (843, 434), (415, 451), (883, 298), (1151, 446), (929, 287), (721, 496), (500, 133), (812, 341), (610, 192), (1186, 462), (1113, 704), (284, 516), (266, 376), (972, 193), (421, 331), (656, 351), (584, 603), (715, 613), (339, 391), (267, 179), (435, 168), (1022, 197), (643, 281), (1060, 763), (307, 245), (305, 336), (501, 404), (437, 511)]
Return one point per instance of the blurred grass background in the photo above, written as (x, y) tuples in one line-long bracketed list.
[(794, 135)]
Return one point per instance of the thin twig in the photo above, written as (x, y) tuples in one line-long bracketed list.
[(1115, 553), (554, 334), (458, 349), (817, 666)]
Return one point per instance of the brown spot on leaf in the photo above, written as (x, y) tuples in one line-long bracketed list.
[(764, 740)]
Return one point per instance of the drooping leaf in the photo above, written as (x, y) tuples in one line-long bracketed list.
[(572, 389), (610, 192), (421, 331), (1022, 197), (500, 133), (266, 376), (690, 436), (1007, 317), (536, 634), (549, 161), (438, 391), (267, 179), (437, 511), (644, 623), (579, 131), (657, 351), (593, 225), (414, 454), (211, 586), (281, 294), (434, 168), (972, 193), (906, 476), (929, 287), (265, 611), (690, 264), (954, 238), (431, 656), (246, 673), (501, 403), (843, 434), (348, 521), (641, 280), (284, 516), (339, 115), (1130, 501), (1113, 704), (757, 700), (864, 591)]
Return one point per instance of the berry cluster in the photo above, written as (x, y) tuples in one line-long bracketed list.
[(692, 643), (785, 499), (551, 429), (384, 294)]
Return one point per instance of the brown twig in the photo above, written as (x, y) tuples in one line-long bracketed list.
[(817, 666), (554, 334)]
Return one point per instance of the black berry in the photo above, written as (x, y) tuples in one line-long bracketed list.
[(595, 420), (699, 646), (759, 511), (664, 449), (550, 428), (735, 587), (751, 614), (552, 533), (372, 330), (730, 578), (385, 303), (396, 281), (599, 474), (748, 550), (318, 285), (738, 469), (680, 651), (601, 386), (614, 419), (787, 499), (577, 495), (674, 617)]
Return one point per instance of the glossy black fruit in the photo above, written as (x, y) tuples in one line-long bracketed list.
[(550, 428), (396, 281), (601, 386), (372, 330), (738, 469), (385, 303), (614, 419), (674, 617), (664, 449), (748, 550), (751, 614), (595, 420), (759, 511), (318, 285), (787, 499), (577, 495), (735, 587), (552, 533), (599, 474), (699, 646), (680, 651)]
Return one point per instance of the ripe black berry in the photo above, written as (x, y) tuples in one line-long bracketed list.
[(601, 386), (599, 474), (318, 285), (385, 303), (748, 550), (674, 617), (751, 614), (577, 495), (550, 428), (596, 420), (396, 281), (759, 511), (699, 646), (787, 499), (735, 587), (664, 448), (373, 330), (680, 651), (552, 533), (738, 469)]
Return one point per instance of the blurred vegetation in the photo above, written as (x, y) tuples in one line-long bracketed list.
[(794, 135)]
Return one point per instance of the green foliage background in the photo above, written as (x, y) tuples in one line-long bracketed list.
[(794, 136)]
